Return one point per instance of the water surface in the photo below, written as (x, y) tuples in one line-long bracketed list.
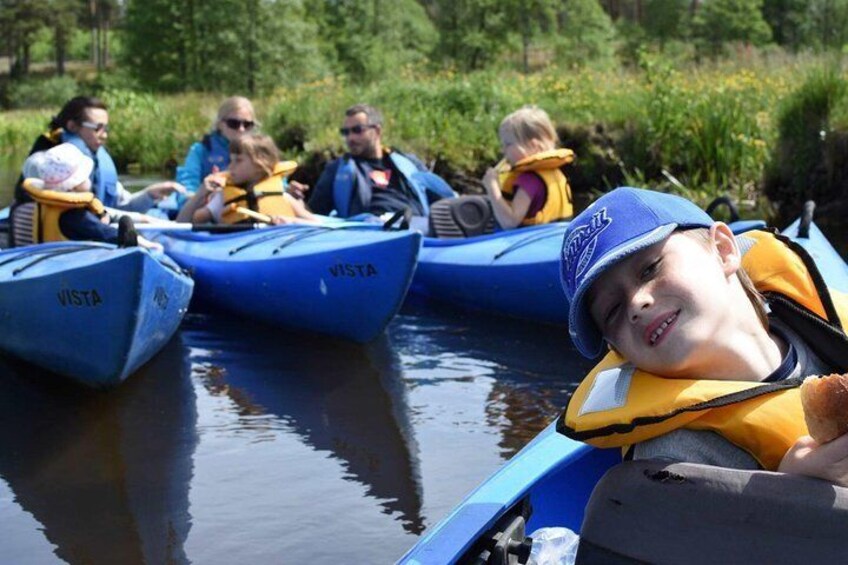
[(241, 441)]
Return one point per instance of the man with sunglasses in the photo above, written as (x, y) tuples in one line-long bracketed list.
[(371, 178)]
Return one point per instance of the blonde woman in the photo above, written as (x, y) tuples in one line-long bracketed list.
[(212, 153)]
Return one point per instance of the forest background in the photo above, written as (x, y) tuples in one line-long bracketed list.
[(747, 98)]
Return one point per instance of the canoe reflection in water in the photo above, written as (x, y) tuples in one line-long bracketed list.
[(105, 474), (335, 396)]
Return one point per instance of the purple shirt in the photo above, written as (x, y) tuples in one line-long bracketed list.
[(534, 186)]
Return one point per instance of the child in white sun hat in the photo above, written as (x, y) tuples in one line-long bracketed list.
[(58, 180)]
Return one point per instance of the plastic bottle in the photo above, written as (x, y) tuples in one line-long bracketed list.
[(553, 546)]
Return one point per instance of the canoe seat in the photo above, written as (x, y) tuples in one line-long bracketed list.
[(657, 512), (22, 224), (465, 216)]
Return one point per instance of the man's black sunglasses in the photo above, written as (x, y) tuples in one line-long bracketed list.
[(357, 129)]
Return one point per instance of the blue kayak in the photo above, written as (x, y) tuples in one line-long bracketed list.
[(89, 311), (513, 273), (550, 483), (346, 282)]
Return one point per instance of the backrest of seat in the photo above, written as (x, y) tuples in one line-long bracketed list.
[(657, 512), (22, 219), (460, 217)]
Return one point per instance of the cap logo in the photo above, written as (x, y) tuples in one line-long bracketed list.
[(581, 244)]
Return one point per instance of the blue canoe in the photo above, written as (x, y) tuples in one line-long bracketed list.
[(90, 311), (513, 273), (551, 481), (346, 282)]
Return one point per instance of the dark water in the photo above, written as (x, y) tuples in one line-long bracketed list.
[(242, 442)]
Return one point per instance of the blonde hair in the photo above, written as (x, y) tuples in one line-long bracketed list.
[(528, 124), (757, 301), (259, 148), (230, 105)]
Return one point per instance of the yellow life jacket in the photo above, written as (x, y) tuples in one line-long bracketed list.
[(547, 164), (618, 405), (265, 197), (51, 204)]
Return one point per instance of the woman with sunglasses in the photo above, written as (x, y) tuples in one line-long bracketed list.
[(212, 154), (84, 123)]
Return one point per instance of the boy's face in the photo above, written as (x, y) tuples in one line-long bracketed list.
[(663, 307)]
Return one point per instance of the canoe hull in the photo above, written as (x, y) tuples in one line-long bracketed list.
[(95, 314), (555, 473), (344, 283), (513, 273)]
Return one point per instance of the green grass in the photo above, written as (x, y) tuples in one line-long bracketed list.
[(713, 128)]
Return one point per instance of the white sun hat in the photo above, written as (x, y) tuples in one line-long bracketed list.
[(60, 168)]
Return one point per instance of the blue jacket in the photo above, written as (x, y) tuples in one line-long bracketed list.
[(212, 151)]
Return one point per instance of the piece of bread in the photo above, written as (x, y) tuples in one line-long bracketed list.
[(825, 403)]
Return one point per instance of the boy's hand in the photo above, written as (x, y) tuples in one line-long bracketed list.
[(298, 189), (828, 461)]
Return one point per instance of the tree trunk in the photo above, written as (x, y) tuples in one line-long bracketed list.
[(251, 49), (525, 38), (92, 12), (104, 57), (60, 41), (693, 7), (25, 60)]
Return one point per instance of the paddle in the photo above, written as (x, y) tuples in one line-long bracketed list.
[(185, 226), (255, 215)]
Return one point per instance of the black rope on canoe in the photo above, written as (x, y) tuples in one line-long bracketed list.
[(44, 255), (732, 210), (267, 237), (303, 232), (527, 241), (299, 237)]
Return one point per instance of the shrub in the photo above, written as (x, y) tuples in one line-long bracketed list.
[(41, 93)]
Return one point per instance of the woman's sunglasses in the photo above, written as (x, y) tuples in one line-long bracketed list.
[(357, 129), (233, 123), (95, 127)]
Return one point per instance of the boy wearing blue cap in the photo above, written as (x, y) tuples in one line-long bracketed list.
[(710, 336)]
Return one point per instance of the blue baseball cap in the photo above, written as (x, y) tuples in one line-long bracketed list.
[(615, 226)]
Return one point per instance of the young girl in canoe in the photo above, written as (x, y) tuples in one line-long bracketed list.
[(701, 367), (58, 181), (252, 188), (528, 187)]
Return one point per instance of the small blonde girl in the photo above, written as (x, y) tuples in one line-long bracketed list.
[(252, 187), (527, 187)]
